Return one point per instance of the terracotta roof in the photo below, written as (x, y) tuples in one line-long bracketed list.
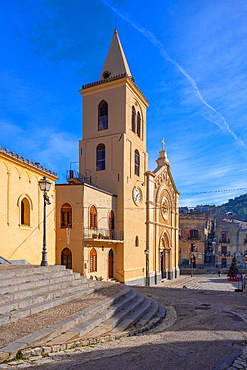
[(27, 161)]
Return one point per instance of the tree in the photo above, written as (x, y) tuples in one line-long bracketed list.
[(233, 269)]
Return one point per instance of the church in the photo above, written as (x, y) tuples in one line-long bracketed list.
[(115, 218)]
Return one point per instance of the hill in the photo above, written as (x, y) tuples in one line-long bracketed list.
[(237, 205)]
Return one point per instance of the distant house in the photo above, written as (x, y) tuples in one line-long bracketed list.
[(231, 239), (193, 241)]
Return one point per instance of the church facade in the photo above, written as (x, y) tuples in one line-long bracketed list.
[(115, 218)]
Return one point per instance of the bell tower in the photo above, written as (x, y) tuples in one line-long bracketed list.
[(112, 153)]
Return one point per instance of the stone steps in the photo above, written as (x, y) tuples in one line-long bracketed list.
[(30, 290), (182, 282), (131, 312), (122, 312)]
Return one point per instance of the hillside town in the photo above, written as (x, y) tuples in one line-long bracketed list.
[(210, 236)]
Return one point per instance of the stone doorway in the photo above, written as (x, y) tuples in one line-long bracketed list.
[(66, 258)]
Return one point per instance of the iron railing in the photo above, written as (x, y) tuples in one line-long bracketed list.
[(73, 174), (103, 234)]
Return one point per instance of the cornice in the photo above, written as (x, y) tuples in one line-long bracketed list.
[(24, 161), (109, 81)]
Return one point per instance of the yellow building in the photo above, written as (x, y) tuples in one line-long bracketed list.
[(115, 218), (194, 231), (21, 213)]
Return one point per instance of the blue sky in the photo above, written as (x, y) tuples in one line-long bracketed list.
[(187, 57)]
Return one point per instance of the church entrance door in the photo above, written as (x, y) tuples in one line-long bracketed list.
[(163, 264)]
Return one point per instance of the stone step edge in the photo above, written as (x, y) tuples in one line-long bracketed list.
[(133, 314), (102, 316), (152, 312), (39, 307), (32, 284), (11, 350), (102, 312), (85, 329), (24, 271), (25, 293), (22, 280), (46, 349), (39, 298)]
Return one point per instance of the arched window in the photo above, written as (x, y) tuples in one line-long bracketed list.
[(93, 217), (25, 212), (93, 260), (133, 119), (100, 157), (138, 126), (66, 258), (137, 163), (111, 220), (136, 241), (66, 215), (103, 115)]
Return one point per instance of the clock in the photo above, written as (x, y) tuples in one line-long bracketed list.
[(137, 195)]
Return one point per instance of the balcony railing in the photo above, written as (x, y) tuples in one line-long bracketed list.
[(103, 234), (73, 174)]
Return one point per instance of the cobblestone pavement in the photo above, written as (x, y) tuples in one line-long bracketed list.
[(205, 329)]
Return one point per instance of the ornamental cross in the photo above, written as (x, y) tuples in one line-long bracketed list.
[(163, 143)]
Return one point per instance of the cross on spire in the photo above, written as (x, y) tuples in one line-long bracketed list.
[(163, 144)]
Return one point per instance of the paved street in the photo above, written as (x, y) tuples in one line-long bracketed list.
[(205, 329)]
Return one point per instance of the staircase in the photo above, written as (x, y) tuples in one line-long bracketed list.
[(185, 282), (52, 308)]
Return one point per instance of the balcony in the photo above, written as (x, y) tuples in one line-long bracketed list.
[(103, 235), (74, 177)]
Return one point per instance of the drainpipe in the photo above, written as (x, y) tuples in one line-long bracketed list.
[(147, 233)]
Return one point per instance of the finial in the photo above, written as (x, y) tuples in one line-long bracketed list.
[(163, 144), (115, 31)]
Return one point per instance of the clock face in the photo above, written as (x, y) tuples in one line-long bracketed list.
[(137, 196)]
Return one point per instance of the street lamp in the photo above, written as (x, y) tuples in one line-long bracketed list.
[(44, 185), (192, 261)]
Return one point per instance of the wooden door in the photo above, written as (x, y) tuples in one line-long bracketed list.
[(110, 264)]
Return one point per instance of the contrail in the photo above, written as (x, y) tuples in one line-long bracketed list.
[(217, 118)]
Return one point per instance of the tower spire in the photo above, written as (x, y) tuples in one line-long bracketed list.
[(116, 63)]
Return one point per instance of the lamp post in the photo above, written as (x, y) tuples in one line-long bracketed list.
[(192, 260), (147, 266), (44, 185)]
